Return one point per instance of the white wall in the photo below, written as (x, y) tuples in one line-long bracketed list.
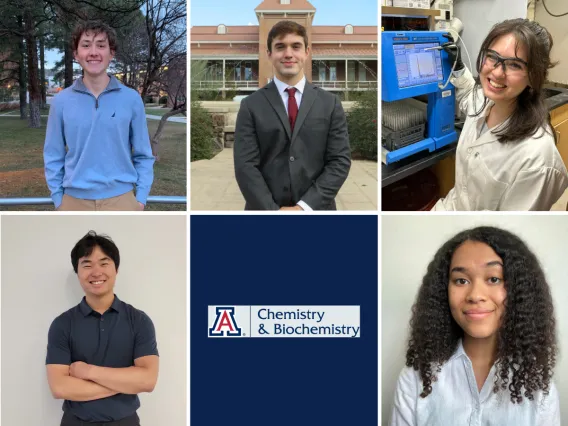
[(38, 283), (558, 27), (409, 244), (479, 16)]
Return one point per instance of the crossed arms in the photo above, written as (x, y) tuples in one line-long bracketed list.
[(84, 382)]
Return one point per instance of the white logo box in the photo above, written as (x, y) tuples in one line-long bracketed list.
[(292, 321)]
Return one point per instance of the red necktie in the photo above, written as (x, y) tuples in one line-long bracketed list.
[(292, 107)]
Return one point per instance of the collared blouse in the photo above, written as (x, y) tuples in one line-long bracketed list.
[(456, 401)]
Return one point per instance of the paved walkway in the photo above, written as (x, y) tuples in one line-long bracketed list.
[(213, 185), (173, 119)]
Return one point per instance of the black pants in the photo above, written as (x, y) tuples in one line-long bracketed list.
[(70, 420)]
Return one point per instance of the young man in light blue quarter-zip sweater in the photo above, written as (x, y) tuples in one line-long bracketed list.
[(97, 147)]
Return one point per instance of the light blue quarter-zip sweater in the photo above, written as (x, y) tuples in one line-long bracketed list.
[(98, 148)]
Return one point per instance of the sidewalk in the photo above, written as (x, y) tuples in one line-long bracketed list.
[(172, 119), (213, 185)]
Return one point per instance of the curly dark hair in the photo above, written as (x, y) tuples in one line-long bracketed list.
[(526, 341)]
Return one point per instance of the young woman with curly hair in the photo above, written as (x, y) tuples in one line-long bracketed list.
[(482, 344)]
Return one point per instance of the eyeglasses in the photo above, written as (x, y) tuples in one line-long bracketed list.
[(511, 66)]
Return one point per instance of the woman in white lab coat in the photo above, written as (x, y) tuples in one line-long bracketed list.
[(506, 157), (482, 345)]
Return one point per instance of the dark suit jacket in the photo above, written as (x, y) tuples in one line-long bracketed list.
[(275, 168)]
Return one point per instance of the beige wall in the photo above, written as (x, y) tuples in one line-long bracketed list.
[(38, 284), (558, 27)]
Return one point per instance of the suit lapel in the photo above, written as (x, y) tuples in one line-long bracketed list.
[(308, 97), (271, 93)]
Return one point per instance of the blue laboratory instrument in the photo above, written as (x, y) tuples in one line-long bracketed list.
[(414, 64)]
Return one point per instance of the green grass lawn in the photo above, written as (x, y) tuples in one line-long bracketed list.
[(22, 173)]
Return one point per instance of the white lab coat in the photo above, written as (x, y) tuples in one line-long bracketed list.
[(490, 175)]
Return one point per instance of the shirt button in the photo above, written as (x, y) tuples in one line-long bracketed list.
[(469, 150), (103, 329), (102, 319), (476, 154), (292, 159)]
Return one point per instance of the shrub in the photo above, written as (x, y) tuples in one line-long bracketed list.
[(363, 127), (163, 100), (201, 125), (230, 94)]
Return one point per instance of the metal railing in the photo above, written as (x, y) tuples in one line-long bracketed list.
[(342, 84), (218, 85), (45, 201)]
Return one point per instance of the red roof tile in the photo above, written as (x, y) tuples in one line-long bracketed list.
[(344, 51)]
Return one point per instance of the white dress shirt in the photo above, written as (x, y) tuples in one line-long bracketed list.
[(456, 401), (281, 86), (528, 174), (284, 94)]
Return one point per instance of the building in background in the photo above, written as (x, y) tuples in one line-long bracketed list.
[(343, 58)]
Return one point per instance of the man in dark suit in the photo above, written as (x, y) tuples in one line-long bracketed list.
[(291, 142)]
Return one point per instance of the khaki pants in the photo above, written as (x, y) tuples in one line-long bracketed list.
[(124, 202)]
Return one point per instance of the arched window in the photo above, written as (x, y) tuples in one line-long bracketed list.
[(221, 29), (284, 1), (348, 29)]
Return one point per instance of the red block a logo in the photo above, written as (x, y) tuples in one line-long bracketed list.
[(225, 323)]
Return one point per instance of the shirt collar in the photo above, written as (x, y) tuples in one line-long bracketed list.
[(86, 309), (112, 84), (281, 86), (459, 351)]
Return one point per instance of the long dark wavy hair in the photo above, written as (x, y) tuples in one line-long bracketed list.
[(531, 113), (526, 341)]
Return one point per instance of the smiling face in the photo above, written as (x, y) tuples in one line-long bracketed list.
[(288, 56), (498, 85), (93, 53), (476, 290), (97, 273)]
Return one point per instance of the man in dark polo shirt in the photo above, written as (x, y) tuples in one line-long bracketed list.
[(102, 352)]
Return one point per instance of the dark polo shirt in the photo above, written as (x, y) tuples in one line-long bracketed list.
[(114, 339)]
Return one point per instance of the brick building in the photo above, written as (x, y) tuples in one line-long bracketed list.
[(343, 58)]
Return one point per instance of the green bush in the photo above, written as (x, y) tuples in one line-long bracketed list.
[(362, 125), (230, 94), (206, 95), (148, 99), (163, 100), (201, 125)]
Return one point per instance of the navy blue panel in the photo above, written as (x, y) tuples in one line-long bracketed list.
[(284, 260)]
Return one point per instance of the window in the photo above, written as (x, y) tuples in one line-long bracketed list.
[(221, 29), (238, 73), (362, 71), (351, 71), (214, 71), (284, 1), (348, 29), (321, 71), (248, 71), (332, 71)]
